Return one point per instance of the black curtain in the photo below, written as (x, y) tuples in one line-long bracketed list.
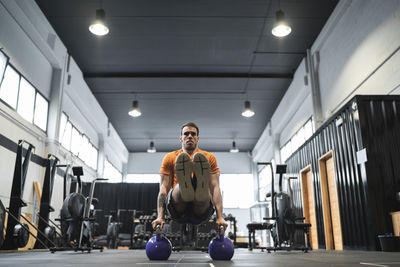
[(125, 197)]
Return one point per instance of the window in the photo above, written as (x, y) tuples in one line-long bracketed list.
[(110, 172), (66, 136), (3, 65), (264, 183), (9, 87), (297, 140), (143, 178), (26, 100), (286, 151), (41, 111), (308, 129), (84, 148), (20, 94), (76, 142), (76, 139), (63, 124), (93, 155), (237, 190)]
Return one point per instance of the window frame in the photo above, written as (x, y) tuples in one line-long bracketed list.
[(5, 66), (82, 135), (258, 183), (295, 136), (48, 109), (115, 169), (72, 138), (18, 93), (19, 82), (34, 98)]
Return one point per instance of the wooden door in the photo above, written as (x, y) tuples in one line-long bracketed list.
[(330, 203), (309, 204)]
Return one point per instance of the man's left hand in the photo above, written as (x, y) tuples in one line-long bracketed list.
[(221, 221)]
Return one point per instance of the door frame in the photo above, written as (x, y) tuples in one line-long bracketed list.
[(306, 191), (327, 208)]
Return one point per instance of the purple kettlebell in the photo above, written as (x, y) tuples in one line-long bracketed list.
[(158, 247), (221, 248)]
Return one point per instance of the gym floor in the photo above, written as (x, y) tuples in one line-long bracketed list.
[(242, 257)]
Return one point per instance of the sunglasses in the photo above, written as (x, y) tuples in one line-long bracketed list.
[(190, 133)]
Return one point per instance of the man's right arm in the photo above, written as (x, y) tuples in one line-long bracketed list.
[(165, 186)]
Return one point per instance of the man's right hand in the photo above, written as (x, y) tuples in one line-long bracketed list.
[(158, 221)]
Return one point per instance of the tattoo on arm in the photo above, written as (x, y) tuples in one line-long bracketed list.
[(161, 200)]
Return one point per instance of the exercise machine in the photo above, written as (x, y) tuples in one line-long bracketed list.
[(17, 232), (77, 219), (284, 222), (46, 225), (111, 238)]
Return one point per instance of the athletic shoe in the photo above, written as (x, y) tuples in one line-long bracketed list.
[(201, 168), (183, 171)]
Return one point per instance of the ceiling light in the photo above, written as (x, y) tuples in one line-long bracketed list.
[(99, 27), (247, 112), (234, 149), (281, 28), (135, 111), (152, 148)]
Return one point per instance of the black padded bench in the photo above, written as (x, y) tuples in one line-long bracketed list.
[(252, 227)]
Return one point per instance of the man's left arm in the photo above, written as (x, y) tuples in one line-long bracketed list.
[(217, 199)]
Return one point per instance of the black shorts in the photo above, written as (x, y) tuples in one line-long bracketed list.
[(187, 217)]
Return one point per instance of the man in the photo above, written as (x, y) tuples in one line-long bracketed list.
[(189, 187)]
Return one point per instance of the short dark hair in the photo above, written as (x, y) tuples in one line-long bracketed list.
[(190, 124)]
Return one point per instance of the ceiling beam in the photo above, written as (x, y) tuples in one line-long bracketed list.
[(185, 75)]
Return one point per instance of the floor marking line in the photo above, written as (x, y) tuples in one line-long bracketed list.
[(179, 260), (212, 265), (373, 264)]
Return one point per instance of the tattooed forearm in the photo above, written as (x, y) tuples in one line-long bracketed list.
[(161, 200)]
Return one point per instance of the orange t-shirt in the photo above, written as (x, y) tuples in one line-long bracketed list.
[(168, 163)]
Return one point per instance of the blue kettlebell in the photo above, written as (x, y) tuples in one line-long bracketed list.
[(158, 247), (221, 248)]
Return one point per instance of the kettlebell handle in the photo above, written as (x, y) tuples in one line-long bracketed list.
[(158, 232), (221, 231), (158, 228)]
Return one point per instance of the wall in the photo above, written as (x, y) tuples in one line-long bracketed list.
[(37, 52), (366, 185), (142, 163), (351, 185), (360, 55), (357, 52), (26, 57), (292, 112)]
